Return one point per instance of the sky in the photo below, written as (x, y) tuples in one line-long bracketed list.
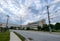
[(27, 11)]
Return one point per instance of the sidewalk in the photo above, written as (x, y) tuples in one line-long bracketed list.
[(14, 37)]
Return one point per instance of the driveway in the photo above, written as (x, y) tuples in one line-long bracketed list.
[(38, 36)]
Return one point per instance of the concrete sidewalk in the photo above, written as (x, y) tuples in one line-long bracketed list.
[(14, 37)]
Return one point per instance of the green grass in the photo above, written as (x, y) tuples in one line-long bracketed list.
[(20, 36), (4, 36)]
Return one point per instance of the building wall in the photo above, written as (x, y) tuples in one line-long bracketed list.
[(38, 23), (42, 22), (2, 25)]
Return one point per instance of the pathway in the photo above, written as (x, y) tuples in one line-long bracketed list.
[(14, 37)]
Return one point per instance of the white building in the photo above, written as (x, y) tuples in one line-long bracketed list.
[(9, 25), (36, 24), (3, 25)]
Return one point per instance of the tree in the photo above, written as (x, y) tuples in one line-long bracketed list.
[(39, 27), (57, 26), (45, 27), (0, 29), (27, 28), (11, 27), (52, 26)]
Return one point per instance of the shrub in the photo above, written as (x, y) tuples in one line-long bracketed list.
[(27, 28), (39, 27), (57, 26), (45, 27)]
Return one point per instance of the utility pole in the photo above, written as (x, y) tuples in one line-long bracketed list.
[(21, 21), (7, 21), (0, 24), (49, 19)]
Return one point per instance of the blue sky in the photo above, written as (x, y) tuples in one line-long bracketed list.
[(26, 11)]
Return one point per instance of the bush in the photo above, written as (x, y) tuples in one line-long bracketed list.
[(3, 29), (52, 26), (0, 29), (39, 27), (57, 26), (45, 27), (27, 28), (11, 27)]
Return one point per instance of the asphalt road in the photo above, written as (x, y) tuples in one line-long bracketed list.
[(38, 36)]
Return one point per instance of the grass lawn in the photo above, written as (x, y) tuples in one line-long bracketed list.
[(4, 36), (20, 36)]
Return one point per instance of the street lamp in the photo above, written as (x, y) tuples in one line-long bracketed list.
[(20, 22), (7, 21), (1, 25)]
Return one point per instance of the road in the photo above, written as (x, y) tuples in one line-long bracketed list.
[(38, 36)]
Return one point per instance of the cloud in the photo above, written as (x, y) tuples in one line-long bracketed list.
[(26, 10)]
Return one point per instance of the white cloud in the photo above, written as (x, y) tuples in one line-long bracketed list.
[(55, 1), (27, 21), (23, 12)]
